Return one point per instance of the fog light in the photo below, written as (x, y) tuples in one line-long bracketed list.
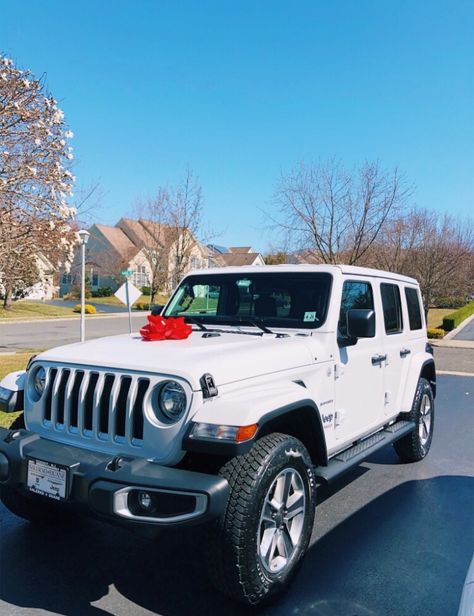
[(145, 500)]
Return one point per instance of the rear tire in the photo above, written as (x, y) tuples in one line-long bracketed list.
[(256, 547), (416, 445)]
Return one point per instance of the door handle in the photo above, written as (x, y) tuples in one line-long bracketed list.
[(405, 352), (378, 359)]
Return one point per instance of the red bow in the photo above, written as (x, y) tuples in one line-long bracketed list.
[(159, 328)]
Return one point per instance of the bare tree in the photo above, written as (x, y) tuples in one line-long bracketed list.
[(437, 250), (333, 214), (35, 177), (173, 219), (442, 257), (185, 220), (154, 215)]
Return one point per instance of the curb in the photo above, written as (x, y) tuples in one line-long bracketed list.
[(453, 373), (453, 344), (461, 326)]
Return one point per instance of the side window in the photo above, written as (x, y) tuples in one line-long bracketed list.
[(414, 311), (355, 294), (392, 308)]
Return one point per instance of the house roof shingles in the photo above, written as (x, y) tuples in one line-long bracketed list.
[(238, 258), (146, 232), (117, 238), (241, 249)]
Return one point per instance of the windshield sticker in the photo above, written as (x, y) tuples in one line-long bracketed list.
[(309, 316)]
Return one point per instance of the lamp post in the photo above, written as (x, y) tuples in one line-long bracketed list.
[(83, 238)]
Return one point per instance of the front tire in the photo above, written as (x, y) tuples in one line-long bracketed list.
[(256, 547), (416, 445)]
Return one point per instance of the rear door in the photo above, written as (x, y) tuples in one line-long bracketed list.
[(396, 345)]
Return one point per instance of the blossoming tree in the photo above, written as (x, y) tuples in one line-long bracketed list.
[(35, 180)]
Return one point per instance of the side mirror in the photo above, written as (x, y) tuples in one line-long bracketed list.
[(156, 309), (360, 323)]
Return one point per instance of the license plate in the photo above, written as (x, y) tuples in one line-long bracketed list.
[(47, 479)]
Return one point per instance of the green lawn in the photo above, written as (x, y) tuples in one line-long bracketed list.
[(113, 301), (27, 309), (436, 315), (10, 363)]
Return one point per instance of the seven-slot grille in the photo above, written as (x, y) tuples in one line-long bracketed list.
[(96, 404)]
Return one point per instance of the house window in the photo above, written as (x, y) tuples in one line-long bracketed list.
[(66, 279), (95, 280), (140, 276), (196, 263)]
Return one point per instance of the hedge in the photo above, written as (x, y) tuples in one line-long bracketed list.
[(454, 319), (142, 306), (88, 309), (434, 332)]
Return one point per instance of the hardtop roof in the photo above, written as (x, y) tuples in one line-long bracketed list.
[(352, 270)]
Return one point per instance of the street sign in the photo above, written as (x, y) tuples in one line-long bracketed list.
[(126, 273), (128, 295), (133, 293)]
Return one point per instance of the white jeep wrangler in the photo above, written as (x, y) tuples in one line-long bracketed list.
[(291, 376)]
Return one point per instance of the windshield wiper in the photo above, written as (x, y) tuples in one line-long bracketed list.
[(196, 322), (258, 324)]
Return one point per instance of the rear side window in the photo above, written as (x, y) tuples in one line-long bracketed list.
[(392, 308), (355, 294), (414, 310)]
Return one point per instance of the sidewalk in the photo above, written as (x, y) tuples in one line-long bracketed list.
[(452, 340)]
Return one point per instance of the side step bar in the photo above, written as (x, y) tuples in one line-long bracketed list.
[(353, 456)]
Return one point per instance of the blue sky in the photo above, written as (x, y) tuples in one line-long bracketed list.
[(241, 91)]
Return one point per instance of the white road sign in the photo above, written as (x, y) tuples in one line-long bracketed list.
[(133, 293)]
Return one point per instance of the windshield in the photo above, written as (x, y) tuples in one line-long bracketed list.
[(290, 299)]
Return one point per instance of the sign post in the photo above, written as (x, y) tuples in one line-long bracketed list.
[(128, 295)]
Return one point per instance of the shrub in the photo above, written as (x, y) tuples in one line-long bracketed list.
[(145, 290), (88, 308), (454, 319), (449, 302), (104, 292), (142, 306), (434, 332), (75, 292)]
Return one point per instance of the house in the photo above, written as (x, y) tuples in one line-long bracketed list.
[(150, 251), (234, 256), (45, 288)]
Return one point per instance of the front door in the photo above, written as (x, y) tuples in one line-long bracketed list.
[(359, 377)]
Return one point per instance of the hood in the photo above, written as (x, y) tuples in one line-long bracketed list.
[(228, 357)]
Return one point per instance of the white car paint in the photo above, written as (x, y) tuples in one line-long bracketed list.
[(256, 374)]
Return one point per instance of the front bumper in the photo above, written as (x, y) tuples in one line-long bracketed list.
[(109, 485)]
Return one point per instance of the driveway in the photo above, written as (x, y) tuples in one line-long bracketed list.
[(466, 333), (390, 539)]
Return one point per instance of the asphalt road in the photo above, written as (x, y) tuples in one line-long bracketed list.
[(390, 539), (49, 333), (467, 332)]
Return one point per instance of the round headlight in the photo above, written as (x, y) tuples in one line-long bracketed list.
[(172, 400), (39, 380)]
